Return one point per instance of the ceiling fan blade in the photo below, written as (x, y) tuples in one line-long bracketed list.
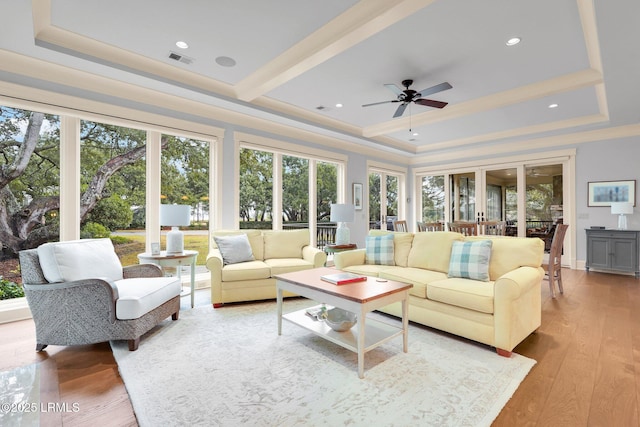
[(393, 88), (400, 110), (431, 103), (435, 89), (378, 103)]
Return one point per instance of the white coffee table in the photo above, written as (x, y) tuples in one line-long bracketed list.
[(360, 298)]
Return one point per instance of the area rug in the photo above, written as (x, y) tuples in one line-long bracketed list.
[(229, 367)]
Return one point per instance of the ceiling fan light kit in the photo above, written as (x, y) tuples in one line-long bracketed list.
[(406, 96)]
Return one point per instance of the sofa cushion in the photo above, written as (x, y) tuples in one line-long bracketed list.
[(401, 244), (255, 240), (287, 265), (470, 260), (510, 253), (379, 250), (234, 249), (432, 250), (418, 277), (285, 244), (79, 260), (140, 295), (250, 270), (463, 293)]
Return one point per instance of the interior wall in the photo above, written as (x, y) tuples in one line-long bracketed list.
[(615, 160)]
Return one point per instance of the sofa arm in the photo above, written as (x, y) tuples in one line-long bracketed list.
[(512, 285), (314, 255), (348, 258), (214, 265), (517, 306)]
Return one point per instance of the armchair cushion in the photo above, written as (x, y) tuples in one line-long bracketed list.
[(79, 260), (140, 295)]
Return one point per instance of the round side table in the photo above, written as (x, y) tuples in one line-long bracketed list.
[(174, 261)]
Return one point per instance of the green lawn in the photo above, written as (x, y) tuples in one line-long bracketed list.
[(128, 252)]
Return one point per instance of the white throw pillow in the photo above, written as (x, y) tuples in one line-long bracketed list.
[(79, 260), (234, 249)]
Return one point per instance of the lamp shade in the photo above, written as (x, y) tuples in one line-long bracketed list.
[(342, 212), (618, 208), (175, 215)]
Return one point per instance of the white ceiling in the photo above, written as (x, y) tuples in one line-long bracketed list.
[(293, 56)]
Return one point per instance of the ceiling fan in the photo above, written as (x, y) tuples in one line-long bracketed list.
[(409, 95), (535, 172)]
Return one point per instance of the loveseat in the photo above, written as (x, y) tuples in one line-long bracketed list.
[(239, 273), (500, 311)]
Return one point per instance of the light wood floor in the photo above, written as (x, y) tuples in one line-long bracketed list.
[(588, 370)]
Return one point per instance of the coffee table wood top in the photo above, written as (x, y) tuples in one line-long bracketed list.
[(360, 292)]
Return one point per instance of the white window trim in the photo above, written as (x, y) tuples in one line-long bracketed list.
[(279, 149)]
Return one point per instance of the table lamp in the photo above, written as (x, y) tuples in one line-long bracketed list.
[(342, 213), (175, 216), (621, 209)]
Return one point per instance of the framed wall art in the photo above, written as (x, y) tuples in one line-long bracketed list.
[(603, 193), (357, 196)]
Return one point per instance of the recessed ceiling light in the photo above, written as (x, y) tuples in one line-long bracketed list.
[(182, 45), (553, 105), (513, 41), (225, 61), (338, 105)]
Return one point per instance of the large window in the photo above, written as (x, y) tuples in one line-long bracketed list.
[(185, 181), (29, 179), (256, 188), (112, 180), (273, 181)]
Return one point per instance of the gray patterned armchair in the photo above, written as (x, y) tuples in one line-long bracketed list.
[(79, 293)]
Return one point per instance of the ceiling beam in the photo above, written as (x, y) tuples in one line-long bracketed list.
[(568, 82), (365, 19)]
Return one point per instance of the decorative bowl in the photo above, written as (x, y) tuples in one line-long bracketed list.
[(340, 320)]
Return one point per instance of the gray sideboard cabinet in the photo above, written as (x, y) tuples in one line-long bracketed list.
[(613, 250)]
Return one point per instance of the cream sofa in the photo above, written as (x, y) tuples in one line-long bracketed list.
[(275, 252), (500, 313)]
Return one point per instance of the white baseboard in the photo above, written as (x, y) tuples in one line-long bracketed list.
[(12, 310)]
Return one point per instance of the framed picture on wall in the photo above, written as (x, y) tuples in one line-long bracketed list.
[(603, 193), (357, 196)]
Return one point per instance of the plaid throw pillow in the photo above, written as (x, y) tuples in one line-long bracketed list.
[(379, 250), (470, 260)]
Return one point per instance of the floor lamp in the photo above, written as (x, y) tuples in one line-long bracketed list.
[(175, 216), (342, 213)]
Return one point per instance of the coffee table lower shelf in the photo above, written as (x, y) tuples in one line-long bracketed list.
[(377, 332)]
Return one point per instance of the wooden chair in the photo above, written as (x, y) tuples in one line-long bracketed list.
[(466, 228), (430, 226), (492, 228), (400, 226), (553, 270)]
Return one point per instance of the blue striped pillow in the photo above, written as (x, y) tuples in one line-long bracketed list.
[(379, 250), (470, 260)]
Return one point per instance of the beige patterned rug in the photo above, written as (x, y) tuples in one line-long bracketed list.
[(229, 367)]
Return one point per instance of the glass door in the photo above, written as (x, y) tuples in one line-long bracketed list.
[(544, 201), (384, 197), (462, 187), (501, 198)]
